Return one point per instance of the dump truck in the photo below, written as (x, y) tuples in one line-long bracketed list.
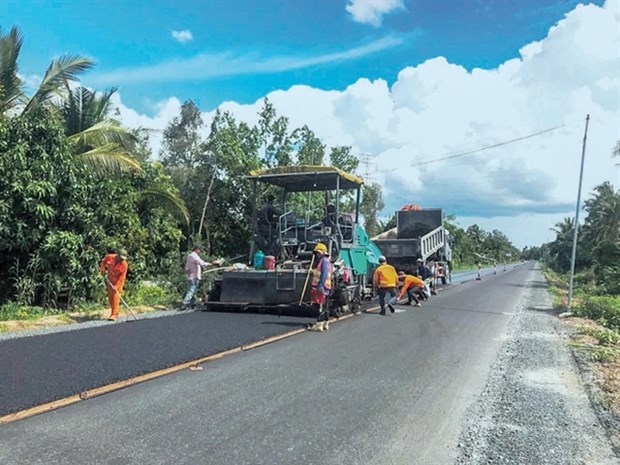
[(419, 234)]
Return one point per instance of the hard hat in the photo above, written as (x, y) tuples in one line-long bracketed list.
[(382, 259), (320, 247), (419, 260), (122, 253)]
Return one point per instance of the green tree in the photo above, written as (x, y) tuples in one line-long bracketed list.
[(477, 235), (276, 141), (601, 235), (310, 149), (561, 248), (371, 204), (341, 157)]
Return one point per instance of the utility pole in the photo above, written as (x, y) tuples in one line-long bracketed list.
[(366, 163), (576, 226)]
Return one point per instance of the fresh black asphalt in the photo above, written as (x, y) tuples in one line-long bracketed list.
[(39, 369)]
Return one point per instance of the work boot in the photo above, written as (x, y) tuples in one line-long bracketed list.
[(113, 318), (318, 326), (391, 307), (433, 292), (382, 312)]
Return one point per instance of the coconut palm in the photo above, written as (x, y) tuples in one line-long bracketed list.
[(60, 71), (561, 248), (98, 141), (102, 142), (603, 220), (11, 94)]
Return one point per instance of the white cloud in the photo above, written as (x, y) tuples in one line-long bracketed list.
[(213, 65), (439, 108), (372, 11), (182, 36)]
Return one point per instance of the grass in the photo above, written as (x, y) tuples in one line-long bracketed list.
[(144, 297), (597, 322)]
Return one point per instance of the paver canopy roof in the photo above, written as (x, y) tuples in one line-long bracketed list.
[(306, 178)]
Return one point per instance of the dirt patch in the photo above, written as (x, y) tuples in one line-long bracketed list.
[(611, 383)]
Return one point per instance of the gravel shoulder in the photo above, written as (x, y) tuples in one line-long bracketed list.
[(536, 407)]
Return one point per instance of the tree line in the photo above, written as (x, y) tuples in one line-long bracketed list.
[(77, 184), (597, 260)]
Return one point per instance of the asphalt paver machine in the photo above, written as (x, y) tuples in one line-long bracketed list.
[(317, 204)]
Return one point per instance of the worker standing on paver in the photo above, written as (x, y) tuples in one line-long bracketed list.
[(410, 284), (385, 281), (321, 286), (115, 269)]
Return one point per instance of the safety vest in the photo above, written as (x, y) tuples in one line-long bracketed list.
[(317, 274)]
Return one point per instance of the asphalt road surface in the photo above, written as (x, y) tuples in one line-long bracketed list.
[(372, 390)]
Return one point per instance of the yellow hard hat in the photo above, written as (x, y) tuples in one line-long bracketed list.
[(320, 248)]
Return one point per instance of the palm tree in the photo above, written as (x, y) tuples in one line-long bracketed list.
[(560, 249), (477, 235), (100, 142), (60, 71), (603, 220), (11, 94), (564, 228)]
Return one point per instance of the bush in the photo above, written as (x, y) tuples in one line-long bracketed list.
[(605, 309), (15, 311), (150, 294)]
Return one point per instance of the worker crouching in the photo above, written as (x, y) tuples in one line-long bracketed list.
[(411, 285), (321, 286)]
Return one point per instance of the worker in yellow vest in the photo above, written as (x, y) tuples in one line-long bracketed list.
[(385, 282), (321, 286)]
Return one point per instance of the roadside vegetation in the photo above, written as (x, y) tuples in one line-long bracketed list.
[(595, 312), (77, 184)]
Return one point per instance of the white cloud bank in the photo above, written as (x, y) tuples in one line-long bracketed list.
[(439, 108), (372, 11), (182, 36)]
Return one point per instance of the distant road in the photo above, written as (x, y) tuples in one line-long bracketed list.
[(462, 276)]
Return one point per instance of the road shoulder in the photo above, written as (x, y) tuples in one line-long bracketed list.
[(535, 408)]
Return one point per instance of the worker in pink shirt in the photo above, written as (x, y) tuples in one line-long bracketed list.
[(193, 271)]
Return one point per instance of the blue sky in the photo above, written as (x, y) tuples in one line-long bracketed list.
[(400, 81), (242, 49)]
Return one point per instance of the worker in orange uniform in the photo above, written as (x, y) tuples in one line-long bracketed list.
[(115, 268), (321, 286), (385, 281), (410, 284)]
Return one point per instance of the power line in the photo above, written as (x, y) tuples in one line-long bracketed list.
[(480, 149)]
